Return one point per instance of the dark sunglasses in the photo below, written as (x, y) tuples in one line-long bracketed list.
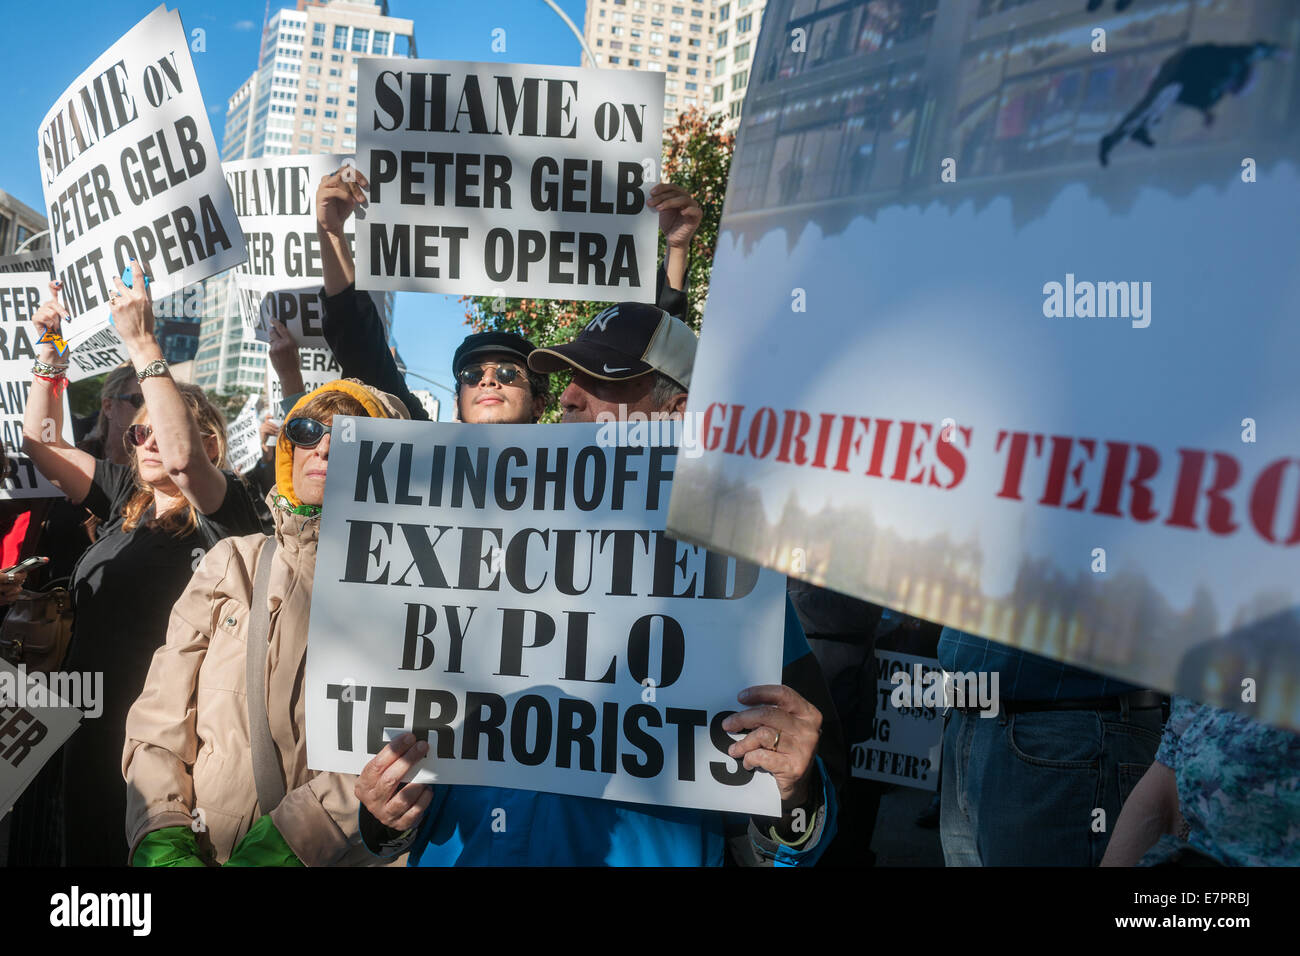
[(471, 375), (136, 401), (305, 432), (137, 435)]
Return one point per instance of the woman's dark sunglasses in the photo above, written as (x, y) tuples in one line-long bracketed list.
[(305, 432), (136, 401), (471, 375), (137, 435)]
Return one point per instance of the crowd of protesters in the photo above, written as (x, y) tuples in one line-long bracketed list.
[(191, 593)]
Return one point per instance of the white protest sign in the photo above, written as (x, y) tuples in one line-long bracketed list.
[(275, 199), (34, 723), (130, 169), (21, 294), (907, 733), (508, 593), (318, 367), (508, 179), (243, 446), (29, 262), (96, 354), (1036, 376)]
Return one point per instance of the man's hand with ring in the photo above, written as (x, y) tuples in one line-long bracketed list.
[(394, 804), (784, 730)]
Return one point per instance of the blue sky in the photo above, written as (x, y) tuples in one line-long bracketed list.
[(76, 31)]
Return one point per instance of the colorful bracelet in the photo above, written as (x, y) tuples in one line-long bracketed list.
[(42, 370), (57, 382)]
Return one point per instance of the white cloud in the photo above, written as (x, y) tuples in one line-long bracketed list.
[(245, 25)]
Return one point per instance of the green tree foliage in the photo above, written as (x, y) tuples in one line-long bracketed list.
[(697, 157)]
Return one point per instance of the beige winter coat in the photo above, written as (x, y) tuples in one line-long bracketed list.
[(188, 759)]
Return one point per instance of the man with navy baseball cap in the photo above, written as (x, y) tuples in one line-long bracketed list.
[(630, 358)]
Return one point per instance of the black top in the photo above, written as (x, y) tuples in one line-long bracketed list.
[(123, 590), (355, 334)]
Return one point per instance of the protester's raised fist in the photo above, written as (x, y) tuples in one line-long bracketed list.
[(783, 733), (380, 788), (132, 308), (679, 214), (337, 197)]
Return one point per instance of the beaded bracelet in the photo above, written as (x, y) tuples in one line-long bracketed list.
[(42, 370)]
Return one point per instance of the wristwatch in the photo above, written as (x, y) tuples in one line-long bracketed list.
[(156, 367)]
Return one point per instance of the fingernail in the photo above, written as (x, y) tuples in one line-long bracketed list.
[(407, 738), (424, 746)]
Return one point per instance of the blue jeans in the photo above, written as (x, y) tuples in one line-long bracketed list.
[(1023, 789)]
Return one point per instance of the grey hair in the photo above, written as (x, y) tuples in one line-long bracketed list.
[(664, 390)]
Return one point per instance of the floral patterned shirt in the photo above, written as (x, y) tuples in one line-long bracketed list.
[(1238, 784)]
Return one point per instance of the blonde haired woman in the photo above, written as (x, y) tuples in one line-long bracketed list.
[(160, 514), (191, 733)]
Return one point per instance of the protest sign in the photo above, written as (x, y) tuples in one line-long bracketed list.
[(508, 179), (318, 367), (275, 199), (243, 445), (21, 294), (29, 262), (508, 593), (34, 723), (130, 170), (96, 354), (906, 737), (983, 422)]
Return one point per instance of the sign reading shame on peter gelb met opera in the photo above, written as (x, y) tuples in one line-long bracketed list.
[(508, 179), (1032, 311), (130, 169), (508, 593)]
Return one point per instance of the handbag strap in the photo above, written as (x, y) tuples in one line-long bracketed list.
[(266, 766)]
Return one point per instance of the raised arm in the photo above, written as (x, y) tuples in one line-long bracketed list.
[(337, 197), (179, 442), (69, 469)]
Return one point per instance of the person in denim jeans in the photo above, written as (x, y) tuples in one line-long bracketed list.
[(1024, 787)]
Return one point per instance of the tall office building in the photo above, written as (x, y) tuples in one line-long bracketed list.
[(19, 222), (301, 99), (674, 37), (735, 41)]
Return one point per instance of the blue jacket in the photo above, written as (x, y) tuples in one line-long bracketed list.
[(491, 826)]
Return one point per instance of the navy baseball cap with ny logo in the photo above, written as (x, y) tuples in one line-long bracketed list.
[(625, 341)]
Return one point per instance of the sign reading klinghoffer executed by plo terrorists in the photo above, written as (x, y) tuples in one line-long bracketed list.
[(21, 294), (130, 170), (508, 594), (275, 199), (508, 179), (1061, 410)]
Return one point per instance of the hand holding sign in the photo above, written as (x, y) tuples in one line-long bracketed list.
[(783, 733), (132, 310), (380, 786), (679, 214), (337, 198)]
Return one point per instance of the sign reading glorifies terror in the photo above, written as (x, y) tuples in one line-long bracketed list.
[(508, 179), (130, 170), (508, 593), (275, 199), (1029, 451), (21, 294)]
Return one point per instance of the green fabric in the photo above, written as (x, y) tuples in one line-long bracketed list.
[(263, 846), (170, 846)]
